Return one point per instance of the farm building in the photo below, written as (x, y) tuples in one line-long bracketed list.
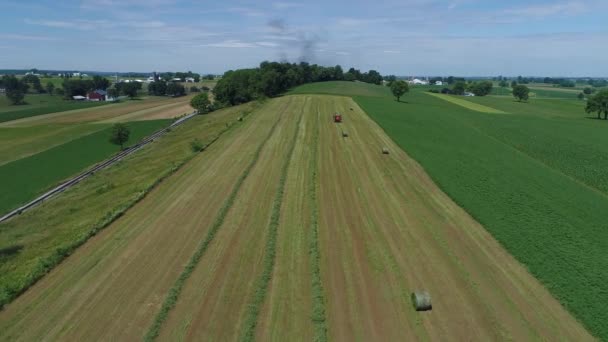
[(97, 95), (79, 98), (418, 81), (189, 79), (439, 83)]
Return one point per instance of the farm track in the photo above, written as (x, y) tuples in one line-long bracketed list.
[(384, 229), (112, 287)]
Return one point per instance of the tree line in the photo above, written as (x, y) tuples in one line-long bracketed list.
[(273, 78)]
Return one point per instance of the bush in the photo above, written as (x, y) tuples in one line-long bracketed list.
[(196, 145), (194, 89)]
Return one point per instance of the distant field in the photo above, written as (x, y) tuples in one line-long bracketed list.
[(23, 179), (342, 88), (39, 105), (106, 112), (19, 142), (461, 101)]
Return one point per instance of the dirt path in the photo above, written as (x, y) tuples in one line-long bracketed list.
[(387, 230), (112, 287)]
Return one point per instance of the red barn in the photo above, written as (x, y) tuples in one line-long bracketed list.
[(97, 95)]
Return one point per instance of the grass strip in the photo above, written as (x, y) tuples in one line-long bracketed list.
[(253, 310), (318, 295), (46, 264), (176, 289)]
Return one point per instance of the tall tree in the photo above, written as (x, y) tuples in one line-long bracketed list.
[(120, 134), (201, 103), (15, 89), (50, 87), (459, 87), (521, 92), (399, 88), (598, 104), (100, 82)]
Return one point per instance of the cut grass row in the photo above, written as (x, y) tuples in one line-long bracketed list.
[(318, 295), (50, 230), (25, 178), (176, 289), (519, 187), (261, 287)]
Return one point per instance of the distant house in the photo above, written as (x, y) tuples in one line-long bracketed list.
[(97, 95), (176, 79), (189, 79), (466, 93), (439, 83), (150, 79), (79, 98)]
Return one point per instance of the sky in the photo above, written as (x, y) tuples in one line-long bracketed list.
[(401, 37)]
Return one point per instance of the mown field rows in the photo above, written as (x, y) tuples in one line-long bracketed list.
[(46, 235), (325, 238)]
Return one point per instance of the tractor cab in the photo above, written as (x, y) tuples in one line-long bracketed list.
[(337, 117)]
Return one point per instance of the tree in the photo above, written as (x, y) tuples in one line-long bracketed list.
[(580, 96), (482, 88), (588, 90), (100, 82), (458, 88), (521, 92), (50, 87), (399, 88), (15, 89), (598, 104), (194, 89), (201, 103), (120, 134), (34, 81), (503, 84), (130, 89), (157, 88), (113, 93), (513, 84), (174, 89)]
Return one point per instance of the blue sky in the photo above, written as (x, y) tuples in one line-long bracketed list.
[(403, 37)]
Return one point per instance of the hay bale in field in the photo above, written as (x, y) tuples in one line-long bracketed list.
[(384, 150), (344, 134), (421, 301), (240, 118)]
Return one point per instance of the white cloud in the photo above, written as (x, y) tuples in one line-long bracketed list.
[(391, 51), (342, 53), (232, 43), (24, 37), (550, 9), (267, 44), (286, 5)]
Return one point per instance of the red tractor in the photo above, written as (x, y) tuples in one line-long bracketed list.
[(337, 117)]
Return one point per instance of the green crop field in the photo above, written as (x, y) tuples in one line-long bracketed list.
[(533, 178), (38, 105), (23, 179)]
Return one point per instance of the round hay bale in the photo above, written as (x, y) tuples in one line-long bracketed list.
[(345, 134), (421, 301), (384, 150)]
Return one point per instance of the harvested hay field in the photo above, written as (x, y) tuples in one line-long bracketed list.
[(285, 230), (138, 108)]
